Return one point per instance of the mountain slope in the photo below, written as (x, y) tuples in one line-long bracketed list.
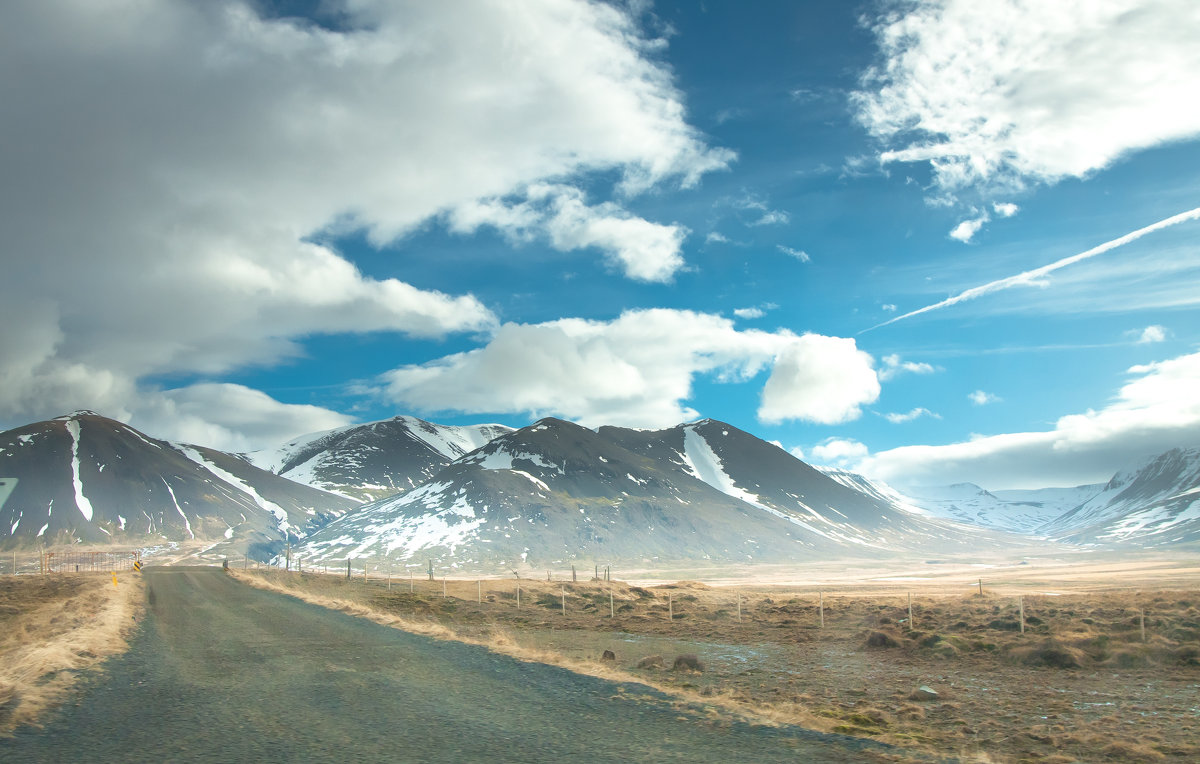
[(88, 478), (1154, 503), (555, 491), (374, 460)]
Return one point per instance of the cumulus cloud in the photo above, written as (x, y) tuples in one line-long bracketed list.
[(645, 251), (229, 417), (894, 365), (839, 452), (1151, 334), (966, 230), (749, 312), (1156, 410), (819, 379), (916, 413), (1005, 209), (981, 398), (1001, 94), (637, 370), (172, 167)]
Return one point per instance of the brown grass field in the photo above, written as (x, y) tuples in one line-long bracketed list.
[(52, 628), (1080, 684)]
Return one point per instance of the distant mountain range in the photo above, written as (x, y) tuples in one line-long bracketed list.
[(555, 491), (552, 492), (86, 478)]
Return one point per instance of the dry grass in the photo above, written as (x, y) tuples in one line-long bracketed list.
[(52, 628), (1079, 684)]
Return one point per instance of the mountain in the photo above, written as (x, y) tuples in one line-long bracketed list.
[(1154, 503), (374, 460), (555, 491), (87, 478), (1013, 511)]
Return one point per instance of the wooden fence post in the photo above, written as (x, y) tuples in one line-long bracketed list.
[(611, 613), (573, 579), (822, 607), (347, 567), (443, 587), (478, 593), (564, 600), (1021, 606), (671, 606), (1143, 622), (739, 596), (981, 587), (910, 618), (518, 595)]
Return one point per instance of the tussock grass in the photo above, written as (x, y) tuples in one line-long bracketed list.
[(54, 627)]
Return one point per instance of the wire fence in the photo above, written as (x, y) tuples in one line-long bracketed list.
[(69, 560)]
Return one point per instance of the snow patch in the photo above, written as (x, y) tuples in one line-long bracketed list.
[(280, 514), (81, 501)]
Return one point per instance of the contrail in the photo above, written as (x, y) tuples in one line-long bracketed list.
[(1030, 277)]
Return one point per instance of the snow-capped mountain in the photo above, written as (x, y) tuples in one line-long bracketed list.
[(1014, 511), (88, 478), (374, 460), (555, 491), (1153, 503)]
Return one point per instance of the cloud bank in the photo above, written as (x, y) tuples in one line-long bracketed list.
[(169, 167)]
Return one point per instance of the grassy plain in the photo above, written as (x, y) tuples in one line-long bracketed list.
[(1081, 683), (54, 627)]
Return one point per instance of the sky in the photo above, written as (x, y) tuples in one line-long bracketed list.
[(932, 241)]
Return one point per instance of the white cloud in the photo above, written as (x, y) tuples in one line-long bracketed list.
[(894, 365), (749, 312), (229, 417), (966, 230), (799, 254), (174, 162), (772, 217), (981, 398), (819, 379), (888, 307), (637, 370), (1003, 93), (1005, 209), (916, 413), (839, 452), (716, 237), (1157, 410), (645, 251), (1151, 334)]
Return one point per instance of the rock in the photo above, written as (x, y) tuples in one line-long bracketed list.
[(923, 693), (651, 661), (609, 655)]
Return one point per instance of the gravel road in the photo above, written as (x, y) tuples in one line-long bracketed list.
[(223, 672)]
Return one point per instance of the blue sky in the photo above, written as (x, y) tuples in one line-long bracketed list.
[(231, 223)]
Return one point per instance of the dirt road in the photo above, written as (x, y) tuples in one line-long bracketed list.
[(223, 672)]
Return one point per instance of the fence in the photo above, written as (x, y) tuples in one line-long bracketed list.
[(70, 561)]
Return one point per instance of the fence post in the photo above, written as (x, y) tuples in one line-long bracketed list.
[(981, 587), (611, 613), (573, 574), (1143, 622), (910, 618), (389, 574), (739, 596), (564, 600), (347, 567), (518, 595), (822, 606), (1021, 605), (410, 581), (431, 570), (478, 593), (443, 587), (671, 606)]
